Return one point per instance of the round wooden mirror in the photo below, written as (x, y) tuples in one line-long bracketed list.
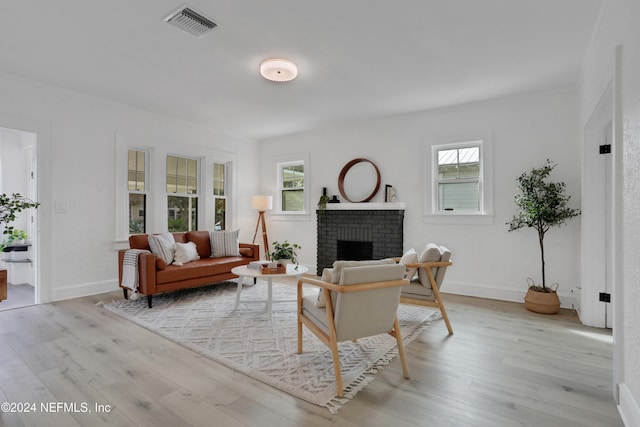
[(361, 173)]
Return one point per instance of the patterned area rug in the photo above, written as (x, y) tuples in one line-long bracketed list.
[(204, 320)]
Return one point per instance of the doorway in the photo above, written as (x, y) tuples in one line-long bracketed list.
[(598, 216), (18, 174)]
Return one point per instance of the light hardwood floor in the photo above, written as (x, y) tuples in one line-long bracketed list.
[(504, 366)]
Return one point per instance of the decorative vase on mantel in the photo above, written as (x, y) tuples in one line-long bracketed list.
[(324, 199)]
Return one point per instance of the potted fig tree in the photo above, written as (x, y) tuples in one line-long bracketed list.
[(541, 204), (10, 206)]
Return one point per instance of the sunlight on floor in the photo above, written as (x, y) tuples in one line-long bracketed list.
[(605, 337)]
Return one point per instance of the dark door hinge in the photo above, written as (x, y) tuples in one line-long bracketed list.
[(605, 149), (605, 297)]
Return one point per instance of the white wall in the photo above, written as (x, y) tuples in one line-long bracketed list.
[(76, 164), (489, 261), (615, 57)]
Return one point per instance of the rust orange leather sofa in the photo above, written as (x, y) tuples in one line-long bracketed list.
[(155, 276)]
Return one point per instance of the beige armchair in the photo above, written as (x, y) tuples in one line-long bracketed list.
[(363, 303), (426, 273)]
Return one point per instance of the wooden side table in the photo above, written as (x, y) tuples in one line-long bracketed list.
[(3, 285)]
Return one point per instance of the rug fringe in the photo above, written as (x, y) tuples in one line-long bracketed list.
[(335, 404)]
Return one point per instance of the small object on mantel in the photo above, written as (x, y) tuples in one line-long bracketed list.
[(334, 199)]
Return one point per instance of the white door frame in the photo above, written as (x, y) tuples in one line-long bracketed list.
[(43, 219), (596, 201)]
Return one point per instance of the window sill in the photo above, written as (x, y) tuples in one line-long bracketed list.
[(290, 216), (459, 218)]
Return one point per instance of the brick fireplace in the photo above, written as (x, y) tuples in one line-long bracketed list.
[(357, 231)]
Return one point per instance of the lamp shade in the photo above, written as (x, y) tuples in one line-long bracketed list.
[(262, 203)]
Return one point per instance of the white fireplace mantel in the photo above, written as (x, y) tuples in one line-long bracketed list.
[(366, 206)]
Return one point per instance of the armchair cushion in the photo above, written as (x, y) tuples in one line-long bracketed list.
[(431, 253), (349, 319), (333, 275), (415, 290), (338, 266)]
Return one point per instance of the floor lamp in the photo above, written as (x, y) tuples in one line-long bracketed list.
[(262, 204)]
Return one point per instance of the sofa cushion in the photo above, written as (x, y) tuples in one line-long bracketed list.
[(225, 243), (139, 241), (203, 267), (180, 237), (248, 252), (201, 239), (184, 253), (162, 246)]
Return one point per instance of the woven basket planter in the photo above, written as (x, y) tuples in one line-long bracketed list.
[(542, 302)]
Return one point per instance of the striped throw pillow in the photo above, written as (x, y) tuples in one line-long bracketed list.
[(161, 245), (225, 243)]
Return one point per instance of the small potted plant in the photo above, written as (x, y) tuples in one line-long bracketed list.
[(17, 237), (285, 251), (10, 206), (541, 204)]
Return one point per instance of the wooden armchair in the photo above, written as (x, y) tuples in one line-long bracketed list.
[(364, 303), (426, 276)]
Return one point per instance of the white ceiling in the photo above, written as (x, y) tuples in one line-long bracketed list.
[(356, 58)]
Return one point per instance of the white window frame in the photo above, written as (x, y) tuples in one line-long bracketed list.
[(484, 215), (146, 186), (226, 186), (305, 206), (195, 195), (157, 148)]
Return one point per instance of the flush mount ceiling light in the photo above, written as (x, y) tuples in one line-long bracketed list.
[(278, 70)]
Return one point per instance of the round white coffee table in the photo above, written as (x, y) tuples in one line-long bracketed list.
[(244, 271)]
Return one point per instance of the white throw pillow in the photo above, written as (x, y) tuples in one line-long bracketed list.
[(185, 252), (225, 243), (161, 245), (326, 277), (409, 257)]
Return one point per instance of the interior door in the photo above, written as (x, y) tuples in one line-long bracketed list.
[(607, 180)]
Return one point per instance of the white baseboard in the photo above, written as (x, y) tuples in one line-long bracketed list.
[(566, 301), (628, 408), (84, 289)]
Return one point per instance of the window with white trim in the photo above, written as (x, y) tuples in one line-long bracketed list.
[(137, 189), (220, 194), (458, 179), (291, 184), (182, 193)]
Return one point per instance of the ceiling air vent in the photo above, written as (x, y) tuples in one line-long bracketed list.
[(190, 21)]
